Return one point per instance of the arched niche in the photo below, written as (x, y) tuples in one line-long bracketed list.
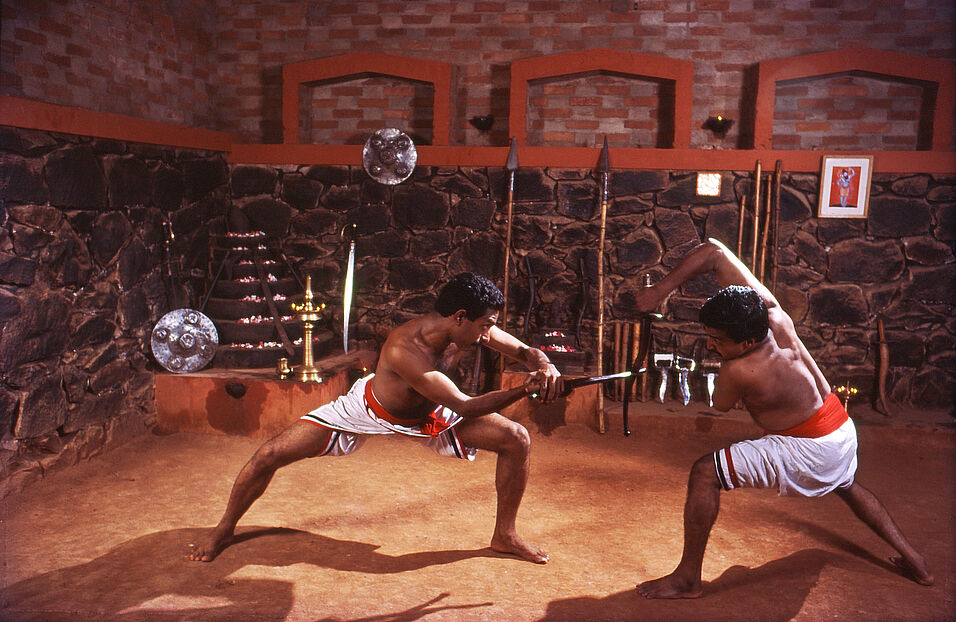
[(350, 66), (676, 76), (936, 77)]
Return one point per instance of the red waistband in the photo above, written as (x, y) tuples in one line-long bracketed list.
[(826, 420), (372, 403), (429, 424)]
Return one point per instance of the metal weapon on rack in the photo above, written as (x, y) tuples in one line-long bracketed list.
[(710, 369), (663, 362), (684, 367)]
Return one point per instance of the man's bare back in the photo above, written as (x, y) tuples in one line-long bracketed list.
[(775, 384), (768, 368)]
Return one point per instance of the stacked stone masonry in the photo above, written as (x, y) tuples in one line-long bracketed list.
[(83, 276)]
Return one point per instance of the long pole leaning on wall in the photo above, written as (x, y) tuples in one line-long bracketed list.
[(512, 166), (766, 217), (604, 171)]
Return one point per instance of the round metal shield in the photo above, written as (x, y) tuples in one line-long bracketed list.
[(184, 341), (389, 156)]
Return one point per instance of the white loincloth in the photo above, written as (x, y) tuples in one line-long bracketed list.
[(809, 467), (351, 420)]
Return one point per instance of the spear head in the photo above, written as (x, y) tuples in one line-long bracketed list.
[(512, 164), (605, 162)]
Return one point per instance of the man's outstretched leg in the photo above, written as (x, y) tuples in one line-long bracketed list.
[(700, 512), (869, 510), (300, 440), (513, 445)]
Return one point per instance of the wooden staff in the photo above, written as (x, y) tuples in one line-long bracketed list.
[(615, 357), (768, 214), (604, 170), (778, 179), (757, 174), (632, 355), (740, 226), (626, 338), (512, 166)]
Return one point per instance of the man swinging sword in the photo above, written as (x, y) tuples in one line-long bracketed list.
[(410, 394), (810, 446)]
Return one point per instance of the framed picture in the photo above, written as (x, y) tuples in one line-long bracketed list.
[(845, 186)]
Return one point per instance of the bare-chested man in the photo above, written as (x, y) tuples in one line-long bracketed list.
[(410, 394), (810, 448)]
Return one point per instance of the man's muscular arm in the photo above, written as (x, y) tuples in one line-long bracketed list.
[(436, 387), (726, 390), (532, 358), (711, 256)]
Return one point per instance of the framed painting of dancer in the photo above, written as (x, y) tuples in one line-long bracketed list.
[(845, 186)]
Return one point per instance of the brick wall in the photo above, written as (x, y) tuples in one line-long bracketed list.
[(724, 40), (580, 111), (146, 60), (222, 69), (346, 112), (850, 112)]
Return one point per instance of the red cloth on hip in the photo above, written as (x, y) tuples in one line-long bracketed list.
[(429, 424), (826, 420)]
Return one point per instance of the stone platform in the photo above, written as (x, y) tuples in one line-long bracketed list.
[(250, 402)]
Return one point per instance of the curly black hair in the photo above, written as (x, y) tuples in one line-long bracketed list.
[(739, 311), (471, 292)]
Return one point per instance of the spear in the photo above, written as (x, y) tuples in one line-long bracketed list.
[(512, 166), (604, 168)]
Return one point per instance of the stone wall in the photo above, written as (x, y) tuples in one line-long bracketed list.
[(836, 277), (83, 281), (82, 270)]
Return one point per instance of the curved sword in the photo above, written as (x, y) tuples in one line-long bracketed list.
[(347, 297)]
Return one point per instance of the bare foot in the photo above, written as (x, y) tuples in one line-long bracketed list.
[(514, 545), (214, 543), (917, 571), (670, 586)]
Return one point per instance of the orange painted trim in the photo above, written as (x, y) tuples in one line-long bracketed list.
[(933, 162), (37, 115), (24, 113), (904, 67), (345, 65), (679, 72)]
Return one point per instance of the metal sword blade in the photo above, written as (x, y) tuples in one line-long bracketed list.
[(347, 301)]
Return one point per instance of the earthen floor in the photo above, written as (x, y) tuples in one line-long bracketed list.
[(394, 533)]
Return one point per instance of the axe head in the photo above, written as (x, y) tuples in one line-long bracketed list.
[(663, 360), (605, 163), (512, 164)]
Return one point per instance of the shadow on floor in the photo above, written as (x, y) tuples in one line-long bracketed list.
[(773, 592), (150, 578), (410, 615)]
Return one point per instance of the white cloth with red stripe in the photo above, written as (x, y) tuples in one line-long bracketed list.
[(795, 466), (353, 419)]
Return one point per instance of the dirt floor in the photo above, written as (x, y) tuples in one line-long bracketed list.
[(394, 533)]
